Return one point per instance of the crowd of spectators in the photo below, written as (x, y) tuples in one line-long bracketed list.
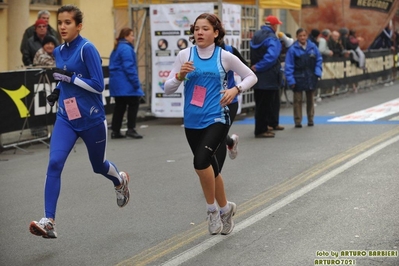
[(36, 42), (345, 43), (339, 43)]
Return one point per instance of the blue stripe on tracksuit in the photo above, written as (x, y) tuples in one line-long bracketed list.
[(62, 141), (87, 84)]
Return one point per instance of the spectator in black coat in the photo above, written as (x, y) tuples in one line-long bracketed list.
[(29, 32)]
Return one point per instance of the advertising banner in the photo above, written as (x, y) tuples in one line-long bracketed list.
[(231, 19), (23, 99), (170, 32), (338, 71), (367, 17)]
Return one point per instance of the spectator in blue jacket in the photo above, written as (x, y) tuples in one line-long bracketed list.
[(265, 50), (124, 85), (303, 68)]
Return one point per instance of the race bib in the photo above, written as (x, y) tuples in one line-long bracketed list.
[(71, 108), (198, 98)]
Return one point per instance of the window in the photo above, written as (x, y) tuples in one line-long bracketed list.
[(46, 2)]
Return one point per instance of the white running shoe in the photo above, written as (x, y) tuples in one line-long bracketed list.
[(233, 151), (45, 228), (215, 225), (123, 193), (227, 219)]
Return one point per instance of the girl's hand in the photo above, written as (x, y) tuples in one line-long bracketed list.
[(228, 96), (186, 68)]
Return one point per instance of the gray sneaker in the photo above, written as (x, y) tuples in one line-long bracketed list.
[(44, 228), (123, 193), (215, 225), (227, 219)]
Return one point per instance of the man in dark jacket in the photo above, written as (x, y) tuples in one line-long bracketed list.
[(29, 32), (334, 44), (265, 50)]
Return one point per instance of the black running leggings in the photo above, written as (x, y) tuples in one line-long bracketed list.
[(204, 143)]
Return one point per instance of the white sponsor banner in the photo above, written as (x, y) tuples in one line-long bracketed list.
[(370, 114), (231, 16), (170, 32)]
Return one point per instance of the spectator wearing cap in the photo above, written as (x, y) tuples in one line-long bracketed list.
[(44, 56), (265, 49), (323, 47), (29, 32), (34, 43)]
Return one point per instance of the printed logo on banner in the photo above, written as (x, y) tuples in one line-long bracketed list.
[(183, 23), (162, 85), (163, 95), (161, 22), (232, 22), (164, 63), (184, 11), (381, 5), (17, 96), (164, 74)]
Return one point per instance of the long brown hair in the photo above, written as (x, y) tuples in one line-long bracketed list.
[(122, 35), (216, 24)]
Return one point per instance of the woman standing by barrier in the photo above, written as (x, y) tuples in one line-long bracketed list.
[(206, 117), (80, 114), (303, 67), (124, 84)]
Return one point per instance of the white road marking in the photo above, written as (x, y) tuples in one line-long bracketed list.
[(370, 114), (207, 244)]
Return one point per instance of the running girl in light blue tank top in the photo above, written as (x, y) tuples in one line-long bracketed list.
[(203, 68)]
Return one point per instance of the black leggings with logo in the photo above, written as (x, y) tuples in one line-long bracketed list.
[(204, 143)]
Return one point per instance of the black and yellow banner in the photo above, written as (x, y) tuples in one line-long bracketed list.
[(23, 99)]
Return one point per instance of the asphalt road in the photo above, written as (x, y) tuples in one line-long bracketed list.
[(306, 197)]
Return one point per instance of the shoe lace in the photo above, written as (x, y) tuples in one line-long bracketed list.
[(120, 192), (46, 223), (224, 219), (213, 218)]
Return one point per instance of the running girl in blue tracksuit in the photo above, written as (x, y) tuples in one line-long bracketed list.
[(80, 114)]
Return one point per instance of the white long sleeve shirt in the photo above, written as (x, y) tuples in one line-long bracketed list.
[(229, 62)]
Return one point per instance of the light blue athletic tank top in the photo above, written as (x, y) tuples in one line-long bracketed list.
[(207, 78)]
